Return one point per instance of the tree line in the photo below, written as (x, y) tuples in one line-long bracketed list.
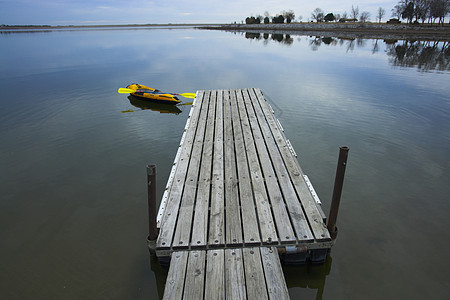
[(287, 16), (409, 10), (354, 16), (422, 10)]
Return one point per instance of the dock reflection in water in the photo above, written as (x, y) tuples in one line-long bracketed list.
[(309, 276), (162, 108)]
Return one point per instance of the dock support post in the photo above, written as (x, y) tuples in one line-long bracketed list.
[(152, 228), (338, 183)]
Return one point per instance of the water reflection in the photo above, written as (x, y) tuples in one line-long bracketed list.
[(350, 43), (429, 55), (278, 37), (308, 276), (425, 55), (162, 108), (160, 274), (11, 32)]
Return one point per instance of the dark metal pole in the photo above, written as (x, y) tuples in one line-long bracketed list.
[(151, 181), (338, 183)]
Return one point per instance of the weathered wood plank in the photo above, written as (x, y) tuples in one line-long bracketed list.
[(200, 222), (195, 275), (217, 212), (248, 273), (249, 220), (234, 275), (296, 175), (276, 285), (183, 227), (254, 274), (165, 196), (233, 222), (293, 204), (283, 224), (266, 222), (173, 202), (175, 278), (215, 275)]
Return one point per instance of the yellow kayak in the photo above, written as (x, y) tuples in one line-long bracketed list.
[(147, 93)]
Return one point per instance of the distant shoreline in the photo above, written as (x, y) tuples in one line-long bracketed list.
[(2, 27), (350, 30)]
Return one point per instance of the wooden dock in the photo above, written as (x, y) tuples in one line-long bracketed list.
[(235, 198), (247, 273)]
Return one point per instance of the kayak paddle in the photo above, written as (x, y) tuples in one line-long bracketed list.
[(125, 91), (185, 95)]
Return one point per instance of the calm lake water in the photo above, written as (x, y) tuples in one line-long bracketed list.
[(73, 210)]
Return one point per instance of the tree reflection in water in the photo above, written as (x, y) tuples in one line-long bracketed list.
[(278, 37), (425, 55)]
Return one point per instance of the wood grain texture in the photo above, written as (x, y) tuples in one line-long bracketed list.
[(195, 275), (254, 274), (234, 275), (276, 285), (175, 278), (217, 210), (215, 275), (233, 224)]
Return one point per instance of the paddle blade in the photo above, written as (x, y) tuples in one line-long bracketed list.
[(125, 91), (189, 103), (188, 95)]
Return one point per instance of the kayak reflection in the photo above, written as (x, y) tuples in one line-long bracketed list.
[(162, 108)]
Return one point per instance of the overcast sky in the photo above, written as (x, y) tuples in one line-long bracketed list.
[(80, 12)]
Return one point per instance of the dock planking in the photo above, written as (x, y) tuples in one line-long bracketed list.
[(235, 197), (236, 181), (249, 273)]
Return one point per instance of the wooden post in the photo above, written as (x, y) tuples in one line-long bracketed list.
[(152, 228), (338, 183)]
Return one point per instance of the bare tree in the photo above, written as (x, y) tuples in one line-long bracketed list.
[(354, 14), (381, 13), (317, 15), (397, 11), (365, 16)]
